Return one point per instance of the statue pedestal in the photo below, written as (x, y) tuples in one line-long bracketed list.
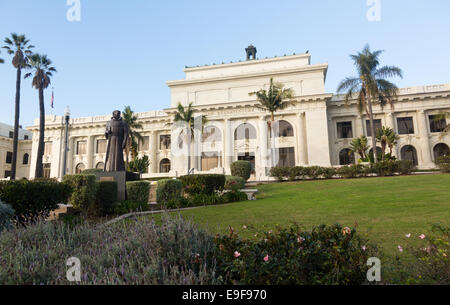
[(119, 177)]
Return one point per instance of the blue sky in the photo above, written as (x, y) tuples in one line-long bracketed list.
[(122, 52)]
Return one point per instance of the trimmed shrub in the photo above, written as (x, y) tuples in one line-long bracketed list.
[(405, 167), (105, 199), (279, 172), (205, 199), (444, 164), (328, 172), (313, 172), (348, 171), (169, 190), (138, 191), (237, 196), (91, 171), (130, 206), (234, 183), (84, 191), (385, 168), (327, 255), (296, 172), (203, 184), (31, 199), (6, 215), (241, 169)]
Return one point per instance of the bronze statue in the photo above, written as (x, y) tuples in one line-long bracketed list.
[(117, 136)]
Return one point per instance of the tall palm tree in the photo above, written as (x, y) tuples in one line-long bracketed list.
[(274, 99), (43, 71), (360, 146), (370, 86), (133, 125), (20, 47), (187, 116), (387, 138)]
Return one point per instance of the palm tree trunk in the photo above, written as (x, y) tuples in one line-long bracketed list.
[(372, 130), (16, 125), (189, 153), (40, 153)]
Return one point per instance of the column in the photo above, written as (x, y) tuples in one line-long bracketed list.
[(265, 156), (153, 149), (228, 145), (70, 153), (424, 140), (90, 152), (302, 142), (359, 129), (391, 124)]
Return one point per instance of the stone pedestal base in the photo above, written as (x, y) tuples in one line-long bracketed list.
[(119, 177)]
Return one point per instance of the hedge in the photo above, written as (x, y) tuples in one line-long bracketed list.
[(241, 169), (6, 215), (234, 183), (444, 164), (203, 184), (383, 168), (138, 191), (35, 198), (168, 190), (105, 198), (84, 190)]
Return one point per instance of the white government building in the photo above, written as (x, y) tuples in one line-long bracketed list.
[(6, 152), (316, 130)]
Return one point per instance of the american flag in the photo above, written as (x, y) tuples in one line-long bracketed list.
[(53, 99)]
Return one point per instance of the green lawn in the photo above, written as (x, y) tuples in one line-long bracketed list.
[(385, 208)]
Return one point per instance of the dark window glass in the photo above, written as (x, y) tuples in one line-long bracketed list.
[(25, 137), (284, 129), (47, 170), (25, 159), (376, 125), (9, 157), (164, 142), (164, 166), (286, 156), (409, 153), (346, 157), (7, 174), (441, 150), (11, 134), (437, 123), (344, 130), (405, 125)]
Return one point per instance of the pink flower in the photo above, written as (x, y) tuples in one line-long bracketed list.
[(300, 239), (400, 248), (422, 236), (266, 258), (364, 248), (408, 235), (237, 254), (346, 230)]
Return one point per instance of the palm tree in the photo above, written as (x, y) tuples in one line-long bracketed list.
[(20, 47), (359, 145), (1, 60), (133, 125), (187, 116), (43, 71), (387, 138), (370, 86), (276, 98)]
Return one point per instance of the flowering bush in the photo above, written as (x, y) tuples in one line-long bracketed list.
[(207, 184), (325, 255), (233, 183)]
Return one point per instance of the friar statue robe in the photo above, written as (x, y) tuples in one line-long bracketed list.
[(117, 135)]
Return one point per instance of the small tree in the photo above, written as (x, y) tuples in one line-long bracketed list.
[(133, 126), (387, 138), (360, 146)]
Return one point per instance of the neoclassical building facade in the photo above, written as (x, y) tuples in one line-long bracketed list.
[(315, 130), (23, 152)]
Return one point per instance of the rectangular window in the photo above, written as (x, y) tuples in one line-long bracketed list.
[(405, 125), (81, 147), (344, 130), (7, 174), (8, 157), (47, 148), (164, 141), (437, 123), (376, 125), (25, 137), (47, 167), (210, 160), (286, 156), (144, 144), (11, 134), (101, 146)]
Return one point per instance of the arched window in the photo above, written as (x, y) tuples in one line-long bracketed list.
[(80, 168), (211, 134), (440, 150), (282, 129), (379, 151), (164, 166), (100, 165), (346, 157), (245, 131), (26, 158), (408, 152)]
